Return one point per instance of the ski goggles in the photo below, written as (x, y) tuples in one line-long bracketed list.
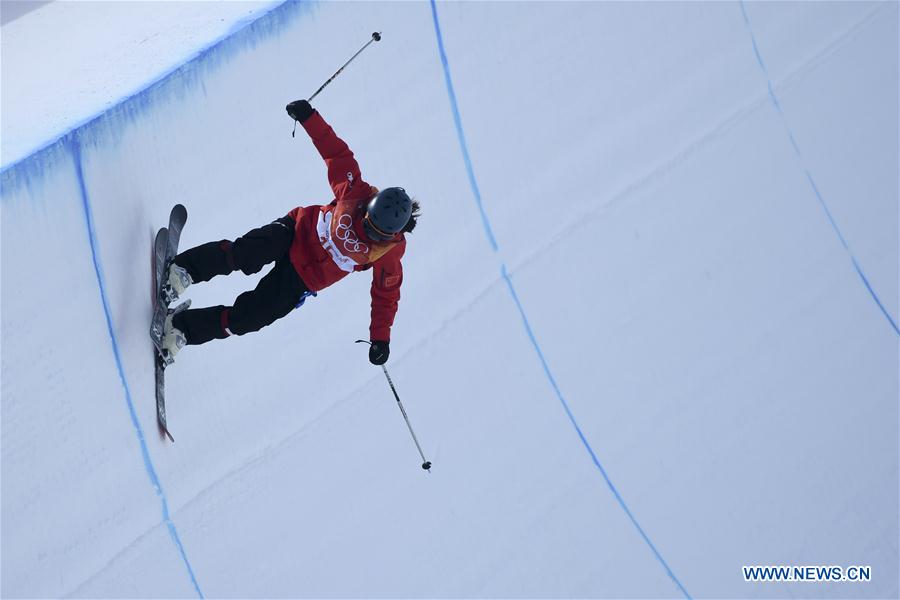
[(374, 232)]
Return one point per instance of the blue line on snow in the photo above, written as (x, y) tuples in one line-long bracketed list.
[(75, 148), (812, 183), (463, 146), (587, 445), (512, 291)]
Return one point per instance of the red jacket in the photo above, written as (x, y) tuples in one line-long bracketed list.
[(330, 241)]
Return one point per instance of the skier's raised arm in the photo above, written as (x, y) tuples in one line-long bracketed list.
[(343, 170)]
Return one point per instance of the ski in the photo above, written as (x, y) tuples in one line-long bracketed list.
[(161, 398), (165, 253), (164, 249)]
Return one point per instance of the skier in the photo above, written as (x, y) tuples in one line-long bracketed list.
[(312, 247)]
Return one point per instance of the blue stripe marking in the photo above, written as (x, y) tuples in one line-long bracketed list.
[(457, 120), (526, 324), (104, 129), (587, 445), (75, 148), (812, 182)]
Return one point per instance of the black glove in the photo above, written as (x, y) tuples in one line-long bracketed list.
[(300, 110), (379, 352)]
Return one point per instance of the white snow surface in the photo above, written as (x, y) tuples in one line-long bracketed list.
[(650, 360), (68, 62)]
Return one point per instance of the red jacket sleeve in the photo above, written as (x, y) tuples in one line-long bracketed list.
[(387, 277), (343, 170)]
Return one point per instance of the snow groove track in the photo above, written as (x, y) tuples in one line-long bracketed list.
[(75, 148), (776, 104), (476, 193)]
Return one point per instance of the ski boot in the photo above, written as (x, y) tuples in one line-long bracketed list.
[(178, 281), (173, 339)]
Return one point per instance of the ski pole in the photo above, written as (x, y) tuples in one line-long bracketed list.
[(376, 37), (426, 464)]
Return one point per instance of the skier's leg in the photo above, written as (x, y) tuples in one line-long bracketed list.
[(200, 325), (259, 247), (249, 253), (205, 261), (274, 297)]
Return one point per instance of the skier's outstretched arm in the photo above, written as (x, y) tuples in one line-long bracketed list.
[(387, 277), (343, 170)]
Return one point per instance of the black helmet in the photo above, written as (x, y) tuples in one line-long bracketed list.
[(387, 213)]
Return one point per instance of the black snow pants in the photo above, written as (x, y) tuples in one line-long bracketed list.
[(277, 293)]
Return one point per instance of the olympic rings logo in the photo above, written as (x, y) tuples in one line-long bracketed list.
[(345, 233)]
